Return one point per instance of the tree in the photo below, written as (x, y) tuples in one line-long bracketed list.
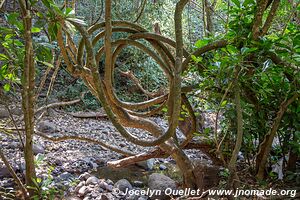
[(28, 94)]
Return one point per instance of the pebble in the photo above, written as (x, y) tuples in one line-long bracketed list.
[(84, 176), (83, 190), (38, 149), (104, 197), (92, 180), (80, 185), (162, 167), (66, 176), (103, 185), (109, 182), (109, 188), (139, 184)]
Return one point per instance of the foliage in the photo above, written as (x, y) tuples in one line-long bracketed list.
[(265, 84)]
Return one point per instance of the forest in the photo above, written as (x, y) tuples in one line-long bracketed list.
[(149, 99)]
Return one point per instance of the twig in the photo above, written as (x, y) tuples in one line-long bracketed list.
[(16, 126), (13, 174), (141, 12), (56, 104)]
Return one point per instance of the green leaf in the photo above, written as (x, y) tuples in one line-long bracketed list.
[(35, 30), (206, 131), (237, 3), (196, 59), (247, 2), (47, 64), (6, 87), (231, 49), (69, 12), (77, 21), (223, 103), (13, 18), (3, 57), (246, 50), (181, 119), (201, 43)]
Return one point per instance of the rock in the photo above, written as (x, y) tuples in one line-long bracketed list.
[(132, 197), (109, 188), (4, 113), (13, 145), (143, 198), (162, 167), (92, 180), (103, 185), (123, 184), (117, 192), (94, 165), (160, 182), (83, 191), (139, 184), (109, 182), (86, 198), (77, 188), (100, 190), (47, 127), (147, 165), (94, 194), (4, 172), (17, 111), (211, 174), (84, 176), (65, 176), (38, 149), (73, 198), (103, 197), (122, 144)]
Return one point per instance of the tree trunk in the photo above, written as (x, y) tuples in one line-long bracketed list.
[(28, 94), (293, 157), (239, 135), (265, 147)]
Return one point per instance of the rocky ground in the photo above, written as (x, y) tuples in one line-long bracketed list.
[(78, 169)]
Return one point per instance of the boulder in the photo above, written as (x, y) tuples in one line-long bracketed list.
[(147, 165), (47, 127), (160, 182), (123, 184), (210, 174)]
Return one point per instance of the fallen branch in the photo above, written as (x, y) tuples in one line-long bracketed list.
[(56, 104), (64, 138), (158, 153), (97, 115)]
